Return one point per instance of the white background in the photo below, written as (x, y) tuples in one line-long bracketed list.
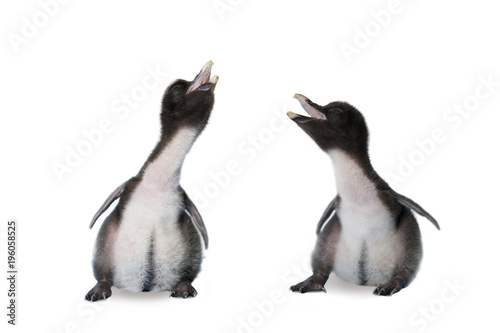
[(68, 76)]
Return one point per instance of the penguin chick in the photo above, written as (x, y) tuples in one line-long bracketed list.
[(373, 237), (151, 240)]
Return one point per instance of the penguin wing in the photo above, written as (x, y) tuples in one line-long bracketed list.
[(112, 197), (408, 203), (327, 213), (195, 216)]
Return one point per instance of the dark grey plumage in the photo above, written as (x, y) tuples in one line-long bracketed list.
[(155, 220), (368, 234)]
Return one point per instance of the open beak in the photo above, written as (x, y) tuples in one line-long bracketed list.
[(203, 81), (310, 108)]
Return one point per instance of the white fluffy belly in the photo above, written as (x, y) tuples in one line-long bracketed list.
[(367, 250), (366, 260), (148, 246)]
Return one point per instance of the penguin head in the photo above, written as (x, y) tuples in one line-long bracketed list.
[(189, 103), (337, 125)]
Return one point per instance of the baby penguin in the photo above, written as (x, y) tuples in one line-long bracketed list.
[(151, 240), (373, 237)]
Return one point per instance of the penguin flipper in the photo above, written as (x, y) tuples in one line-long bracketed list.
[(327, 213), (112, 197), (195, 216), (408, 203)]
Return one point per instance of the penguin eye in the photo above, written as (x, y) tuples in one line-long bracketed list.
[(337, 111), (175, 93)]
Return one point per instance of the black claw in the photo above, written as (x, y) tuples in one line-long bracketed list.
[(102, 290), (391, 287), (387, 291), (184, 289), (312, 284)]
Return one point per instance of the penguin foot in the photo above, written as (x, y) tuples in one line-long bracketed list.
[(390, 288), (184, 289), (102, 290), (310, 284)]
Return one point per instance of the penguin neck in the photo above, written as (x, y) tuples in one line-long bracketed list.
[(163, 168), (354, 177)]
